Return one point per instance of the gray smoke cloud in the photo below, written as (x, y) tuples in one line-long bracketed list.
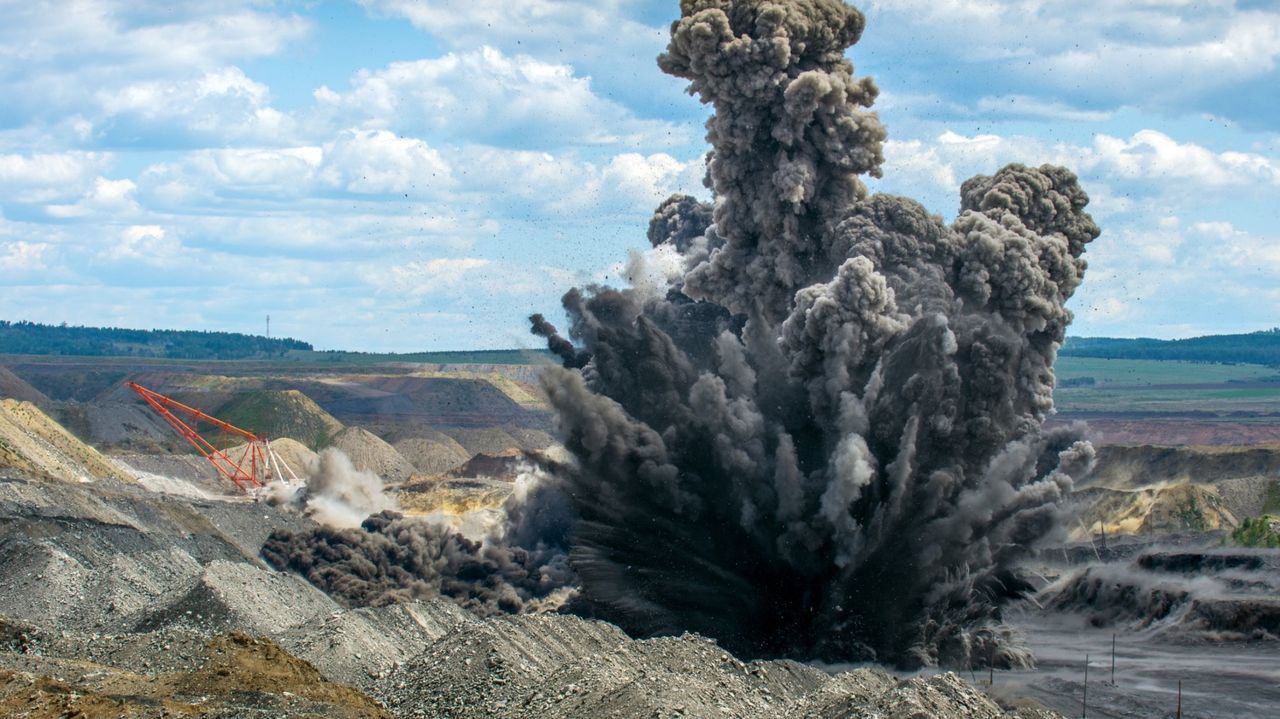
[(333, 492), (826, 439), (1180, 595), (391, 558)]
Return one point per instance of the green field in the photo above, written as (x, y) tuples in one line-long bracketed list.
[(1141, 386), (1139, 372)]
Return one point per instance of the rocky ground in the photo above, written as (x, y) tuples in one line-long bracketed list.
[(119, 601), (131, 583)]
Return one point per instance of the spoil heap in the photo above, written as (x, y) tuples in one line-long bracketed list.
[(433, 453), (31, 442), (370, 454)]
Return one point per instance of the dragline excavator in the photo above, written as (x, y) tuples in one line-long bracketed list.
[(257, 466)]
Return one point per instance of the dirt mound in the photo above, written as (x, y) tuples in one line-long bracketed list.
[(14, 387), (281, 413), (240, 596), (1250, 496), (360, 646), (34, 444), (531, 440), (102, 556), (433, 453), (503, 466), (239, 675), (369, 453), (1157, 509), (125, 426), (486, 440), (556, 666), (1124, 466)]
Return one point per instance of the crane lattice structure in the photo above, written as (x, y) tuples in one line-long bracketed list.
[(259, 464)]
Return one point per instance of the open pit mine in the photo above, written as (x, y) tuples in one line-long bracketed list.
[(810, 476)]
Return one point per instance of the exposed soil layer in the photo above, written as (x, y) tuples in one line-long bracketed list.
[(1107, 429), (32, 442), (1132, 465)]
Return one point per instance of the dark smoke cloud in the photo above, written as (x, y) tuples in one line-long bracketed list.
[(826, 439), (558, 345), (391, 558)]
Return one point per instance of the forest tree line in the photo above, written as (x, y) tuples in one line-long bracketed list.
[(1254, 348), (31, 338)]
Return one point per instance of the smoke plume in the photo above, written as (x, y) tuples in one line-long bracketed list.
[(389, 558), (825, 439), (334, 492)]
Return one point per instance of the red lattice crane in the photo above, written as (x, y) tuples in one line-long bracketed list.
[(257, 466)]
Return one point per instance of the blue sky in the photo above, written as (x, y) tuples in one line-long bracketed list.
[(392, 175)]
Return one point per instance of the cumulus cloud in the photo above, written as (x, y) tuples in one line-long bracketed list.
[(148, 244), (487, 96), (1150, 159), (427, 276), (220, 106), (1097, 55), (106, 198), (22, 256), (377, 161), (609, 38), (116, 65)]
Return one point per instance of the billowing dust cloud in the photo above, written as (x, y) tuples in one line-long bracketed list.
[(826, 439), (390, 558), (334, 492)]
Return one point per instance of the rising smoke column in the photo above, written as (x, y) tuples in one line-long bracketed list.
[(826, 439)]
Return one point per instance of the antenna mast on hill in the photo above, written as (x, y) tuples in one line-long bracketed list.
[(268, 326), (257, 466)]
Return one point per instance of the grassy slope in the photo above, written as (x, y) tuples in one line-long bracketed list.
[(286, 413), (1134, 386)]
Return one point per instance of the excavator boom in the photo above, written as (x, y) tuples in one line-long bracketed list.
[(253, 470)]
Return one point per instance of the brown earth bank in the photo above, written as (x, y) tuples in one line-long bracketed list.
[(1106, 429)]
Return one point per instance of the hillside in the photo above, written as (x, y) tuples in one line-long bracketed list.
[(281, 413), (30, 338), (37, 446), (1253, 348)]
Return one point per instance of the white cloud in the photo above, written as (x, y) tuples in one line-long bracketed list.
[(100, 58), (45, 177), (147, 244), (488, 97), (221, 106), (22, 256), (1149, 158), (1027, 106), (563, 185), (1157, 55), (377, 161), (1154, 155), (425, 277), (600, 38), (111, 199)]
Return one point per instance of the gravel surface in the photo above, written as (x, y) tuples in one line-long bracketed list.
[(108, 587), (371, 454), (434, 454)]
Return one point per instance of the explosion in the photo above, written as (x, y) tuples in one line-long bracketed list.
[(826, 439)]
